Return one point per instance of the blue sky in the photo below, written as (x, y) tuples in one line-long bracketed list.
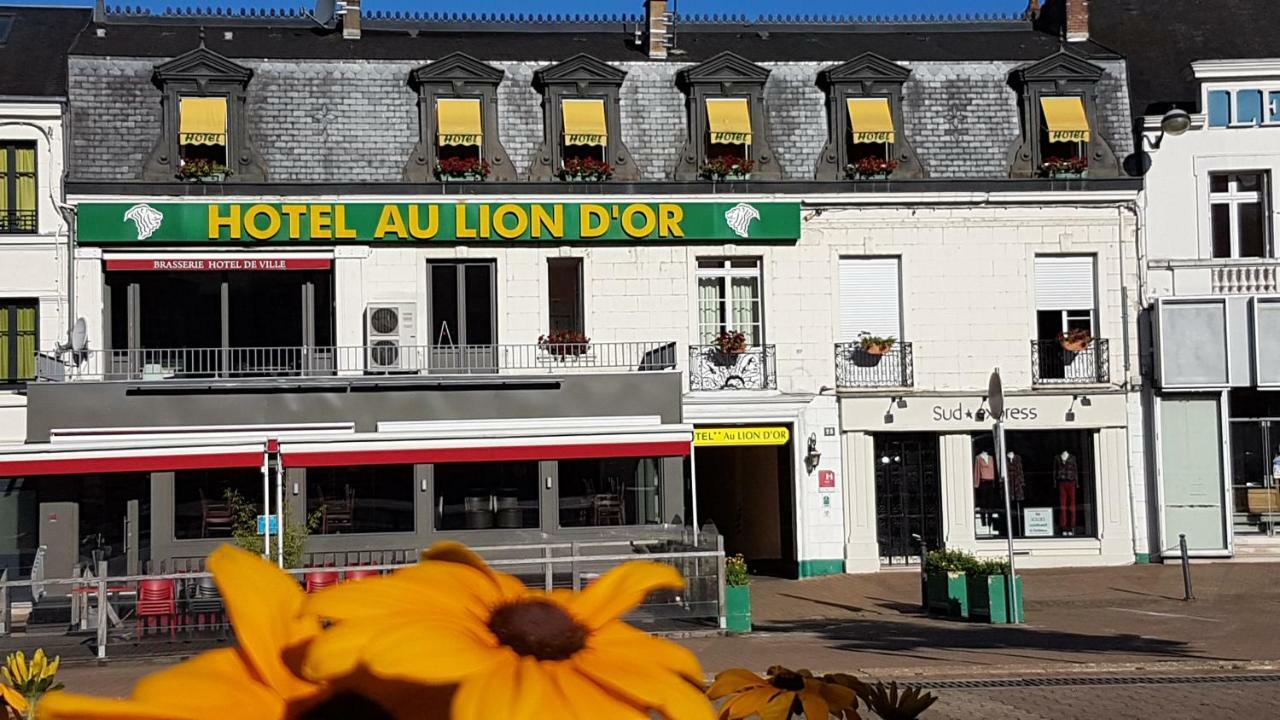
[(734, 7)]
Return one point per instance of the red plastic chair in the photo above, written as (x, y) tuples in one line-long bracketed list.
[(317, 581), (158, 601), (361, 574)]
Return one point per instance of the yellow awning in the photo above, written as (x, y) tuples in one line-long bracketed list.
[(870, 120), (459, 121), (584, 122), (729, 120), (202, 121), (1065, 118)]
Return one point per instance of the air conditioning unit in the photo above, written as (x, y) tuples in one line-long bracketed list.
[(390, 338)]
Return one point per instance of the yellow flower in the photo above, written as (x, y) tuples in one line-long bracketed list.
[(780, 694), (11, 699), (514, 653)]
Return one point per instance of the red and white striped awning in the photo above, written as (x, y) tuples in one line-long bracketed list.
[(488, 441), (76, 459)]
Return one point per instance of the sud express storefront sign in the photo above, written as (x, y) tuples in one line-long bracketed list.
[(242, 223)]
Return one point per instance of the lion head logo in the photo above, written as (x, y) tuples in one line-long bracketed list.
[(146, 218), (739, 218)]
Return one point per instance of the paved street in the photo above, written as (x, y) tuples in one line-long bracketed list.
[(1088, 629)]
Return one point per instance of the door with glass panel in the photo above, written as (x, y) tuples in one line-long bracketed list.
[(461, 317), (1190, 440), (1255, 477)]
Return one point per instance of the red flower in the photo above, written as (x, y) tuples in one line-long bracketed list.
[(727, 166), (462, 167), (870, 166), (587, 168)]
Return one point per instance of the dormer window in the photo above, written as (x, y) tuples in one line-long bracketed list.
[(728, 130), (457, 123), (582, 130), (1060, 138), (866, 140), (205, 134)]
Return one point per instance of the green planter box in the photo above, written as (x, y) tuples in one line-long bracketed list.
[(989, 599), (948, 594), (737, 600)]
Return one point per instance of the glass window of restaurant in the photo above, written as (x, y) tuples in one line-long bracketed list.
[(609, 492), (486, 495), (1051, 484), (367, 499), (206, 503)]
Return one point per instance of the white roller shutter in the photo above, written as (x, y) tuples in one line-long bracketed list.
[(870, 297), (1064, 282)]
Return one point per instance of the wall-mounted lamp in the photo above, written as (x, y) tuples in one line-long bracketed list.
[(812, 457), (1175, 122), (902, 403)]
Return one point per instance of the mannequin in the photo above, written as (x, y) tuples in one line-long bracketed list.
[(1066, 475), (984, 483), (1017, 480), (984, 469)]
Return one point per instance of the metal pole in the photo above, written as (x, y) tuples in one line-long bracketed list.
[(1002, 462), (280, 510), (1186, 569), (266, 508), (924, 575), (693, 485), (103, 616)]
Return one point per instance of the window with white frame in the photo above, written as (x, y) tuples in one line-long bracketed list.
[(1064, 295), (729, 299), (1238, 215), (1243, 106)]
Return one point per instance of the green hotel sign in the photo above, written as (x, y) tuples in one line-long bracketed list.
[(164, 223)]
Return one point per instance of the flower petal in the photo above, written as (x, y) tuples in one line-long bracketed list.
[(658, 651), (779, 708), (10, 697), (815, 706), (635, 679), (262, 602), (839, 697), (433, 652), (413, 590), (335, 653), (621, 589), (734, 681), (585, 700), (511, 689), (748, 703)]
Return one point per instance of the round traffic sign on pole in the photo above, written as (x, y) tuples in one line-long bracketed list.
[(995, 395)]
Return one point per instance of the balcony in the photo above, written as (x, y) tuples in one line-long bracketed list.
[(17, 221), (1052, 364), (858, 368), (710, 368), (384, 358)]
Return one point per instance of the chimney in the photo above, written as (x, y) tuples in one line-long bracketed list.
[(655, 14), (351, 21), (1033, 11), (1077, 20)]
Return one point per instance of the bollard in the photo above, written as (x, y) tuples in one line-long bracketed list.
[(924, 575), (1186, 569)]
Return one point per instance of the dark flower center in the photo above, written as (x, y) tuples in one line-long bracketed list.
[(538, 628), (346, 706), (787, 681)]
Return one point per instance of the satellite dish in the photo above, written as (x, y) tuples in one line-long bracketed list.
[(79, 336), (326, 11)]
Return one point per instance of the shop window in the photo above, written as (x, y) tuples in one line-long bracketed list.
[(865, 129), (1051, 485), (457, 122), (19, 340), (564, 296), (205, 502), (18, 204), (486, 495), (610, 492), (1060, 130), (205, 134), (728, 124), (730, 300), (368, 499), (1238, 215), (582, 130)]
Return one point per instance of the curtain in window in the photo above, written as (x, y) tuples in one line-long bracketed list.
[(26, 167), (708, 309), (26, 341), (6, 342), (745, 308), (4, 184)]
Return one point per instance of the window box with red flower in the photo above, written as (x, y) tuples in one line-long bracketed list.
[(563, 344), (201, 170), (727, 168), (870, 168), (1064, 167), (586, 169), (460, 169)]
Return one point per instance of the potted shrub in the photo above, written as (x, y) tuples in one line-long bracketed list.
[(727, 167), (870, 168), (1075, 341), (730, 342), (988, 594), (737, 595), (945, 572), (1059, 167), (202, 170), (585, 170), (460, 169), (564, 343), (876, 345)]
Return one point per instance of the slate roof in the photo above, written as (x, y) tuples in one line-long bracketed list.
[(33, 51), (1162, 39), (324, 109)]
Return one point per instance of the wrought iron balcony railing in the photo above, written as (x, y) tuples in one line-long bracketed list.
[(17, 221), (384, 358), (1054, 364), (859, 368), (710, 368)]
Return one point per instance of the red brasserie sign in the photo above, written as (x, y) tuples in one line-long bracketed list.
[(208, 264)]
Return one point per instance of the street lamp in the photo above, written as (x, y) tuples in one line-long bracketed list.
[(1175, 122)]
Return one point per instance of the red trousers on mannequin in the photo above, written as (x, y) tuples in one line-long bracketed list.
[(1067, 504)]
